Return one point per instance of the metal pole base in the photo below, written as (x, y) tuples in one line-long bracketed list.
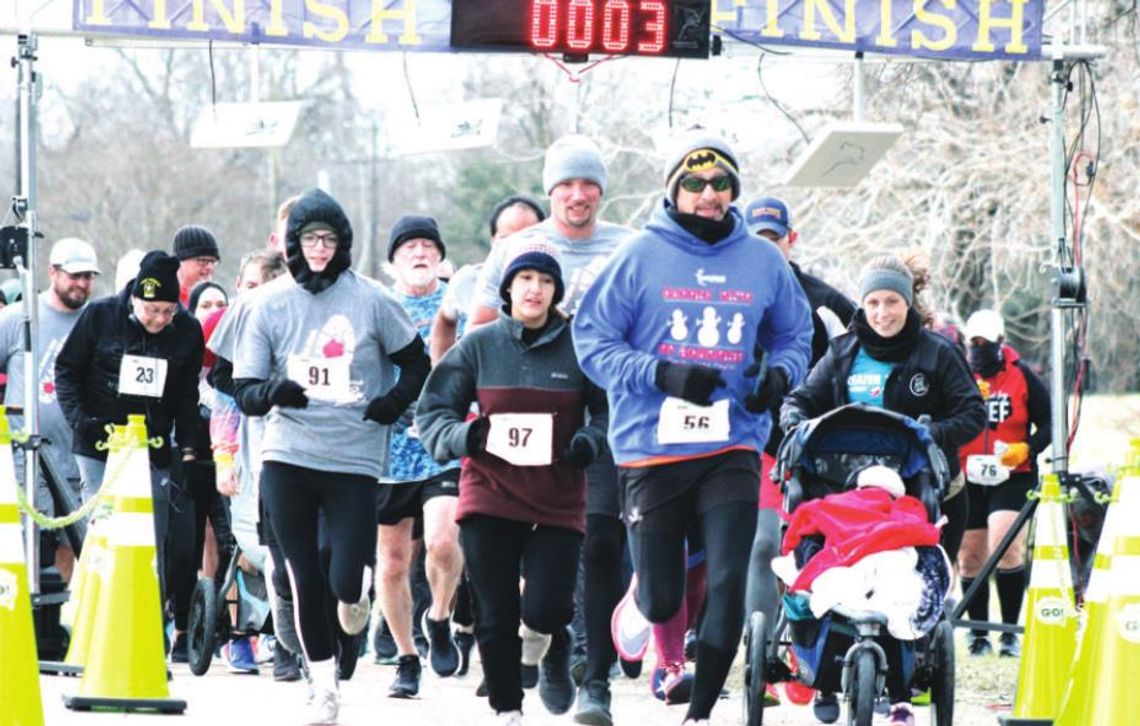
[(172, 706), (1011, 721)]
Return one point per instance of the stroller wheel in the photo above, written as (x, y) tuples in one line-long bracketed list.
[(755, 661), (861, 706), (203, 624), (942, 675)]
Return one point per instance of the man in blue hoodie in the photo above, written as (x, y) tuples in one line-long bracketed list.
[(694, 330)]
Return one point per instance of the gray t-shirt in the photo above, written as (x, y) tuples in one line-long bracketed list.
[(357, 324), (581, 260), (54, 327)]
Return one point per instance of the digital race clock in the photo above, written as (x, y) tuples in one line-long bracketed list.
[(676, 28)]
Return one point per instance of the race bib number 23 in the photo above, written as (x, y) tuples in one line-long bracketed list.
[(140, 375)]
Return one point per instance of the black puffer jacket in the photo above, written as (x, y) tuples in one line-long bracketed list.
[(932, 380), (317, 206), (87, 375)]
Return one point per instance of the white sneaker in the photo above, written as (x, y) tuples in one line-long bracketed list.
[(324, 707), (353, 617), (510, 718), (629, 628)]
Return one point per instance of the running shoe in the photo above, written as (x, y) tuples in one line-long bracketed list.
[(978, 644), (443, 654), (1010, 646), (324, 706), (631, 668), (826, 708), (240, 657), (353, 617), (901, 715), (408, 674), (384, 645), (555, 687), (629, 628), (465, 642), (180, 651), (594, 704), (286, 666), (266, 649), (672, 684)]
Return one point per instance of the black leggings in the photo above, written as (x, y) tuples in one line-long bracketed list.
[(957, 511), (296, 497), (659, 560), (498, 552), (602, 552), (197, 501)]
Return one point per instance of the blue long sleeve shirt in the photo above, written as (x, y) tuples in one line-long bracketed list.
[(669, 296)]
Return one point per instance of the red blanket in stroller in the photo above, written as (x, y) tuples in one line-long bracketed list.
[(855, 524)]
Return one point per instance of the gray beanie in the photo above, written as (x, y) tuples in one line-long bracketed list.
[(878, 276), (696, 152), (573, 157)]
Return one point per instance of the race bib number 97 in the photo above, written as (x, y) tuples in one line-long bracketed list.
[(140, 375), (523, 439), (681, 422)]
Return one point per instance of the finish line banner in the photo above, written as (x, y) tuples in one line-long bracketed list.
[(947, 29)]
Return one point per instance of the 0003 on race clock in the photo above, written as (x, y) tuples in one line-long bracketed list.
[(668, 28)]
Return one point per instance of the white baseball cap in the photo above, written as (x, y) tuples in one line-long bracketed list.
[(74, 256), (985, 324)]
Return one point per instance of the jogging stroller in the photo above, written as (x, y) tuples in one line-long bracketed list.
[(210, 623), (848, 651)]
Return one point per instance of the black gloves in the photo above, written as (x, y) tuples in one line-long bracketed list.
[(580, 452), (477, 432), (791, 417), (694, 384), (384, 410), (287, 394), (767, 392)]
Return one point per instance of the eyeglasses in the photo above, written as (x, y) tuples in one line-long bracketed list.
[(204, 261), (696, 184), (328, 240), (155, 311)]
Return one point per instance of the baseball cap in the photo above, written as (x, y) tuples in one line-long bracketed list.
[(767, 213), (74, 256), (985, 324)]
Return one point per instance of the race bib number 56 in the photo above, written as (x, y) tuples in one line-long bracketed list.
[(523, 439), (681, 422)]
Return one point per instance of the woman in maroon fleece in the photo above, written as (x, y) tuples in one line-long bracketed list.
[(522, 494)]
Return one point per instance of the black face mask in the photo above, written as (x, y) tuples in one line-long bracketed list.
[(985, 359)]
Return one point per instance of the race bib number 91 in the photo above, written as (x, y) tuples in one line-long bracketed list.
[(140, 375), (523, 439), (681, 422), (324, 379)]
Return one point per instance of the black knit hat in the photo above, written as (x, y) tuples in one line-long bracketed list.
[(533, 260), (157, 280), (194, 241), (414, 226)]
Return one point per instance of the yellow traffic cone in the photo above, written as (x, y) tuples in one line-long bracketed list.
[(1051, 615), (20, 700), (92, 567), (126, 664), (1100, 691)]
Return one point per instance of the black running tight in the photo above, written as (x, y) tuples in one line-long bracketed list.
[(296, 497)]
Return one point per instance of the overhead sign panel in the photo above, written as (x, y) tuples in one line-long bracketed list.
[(950, 29)]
